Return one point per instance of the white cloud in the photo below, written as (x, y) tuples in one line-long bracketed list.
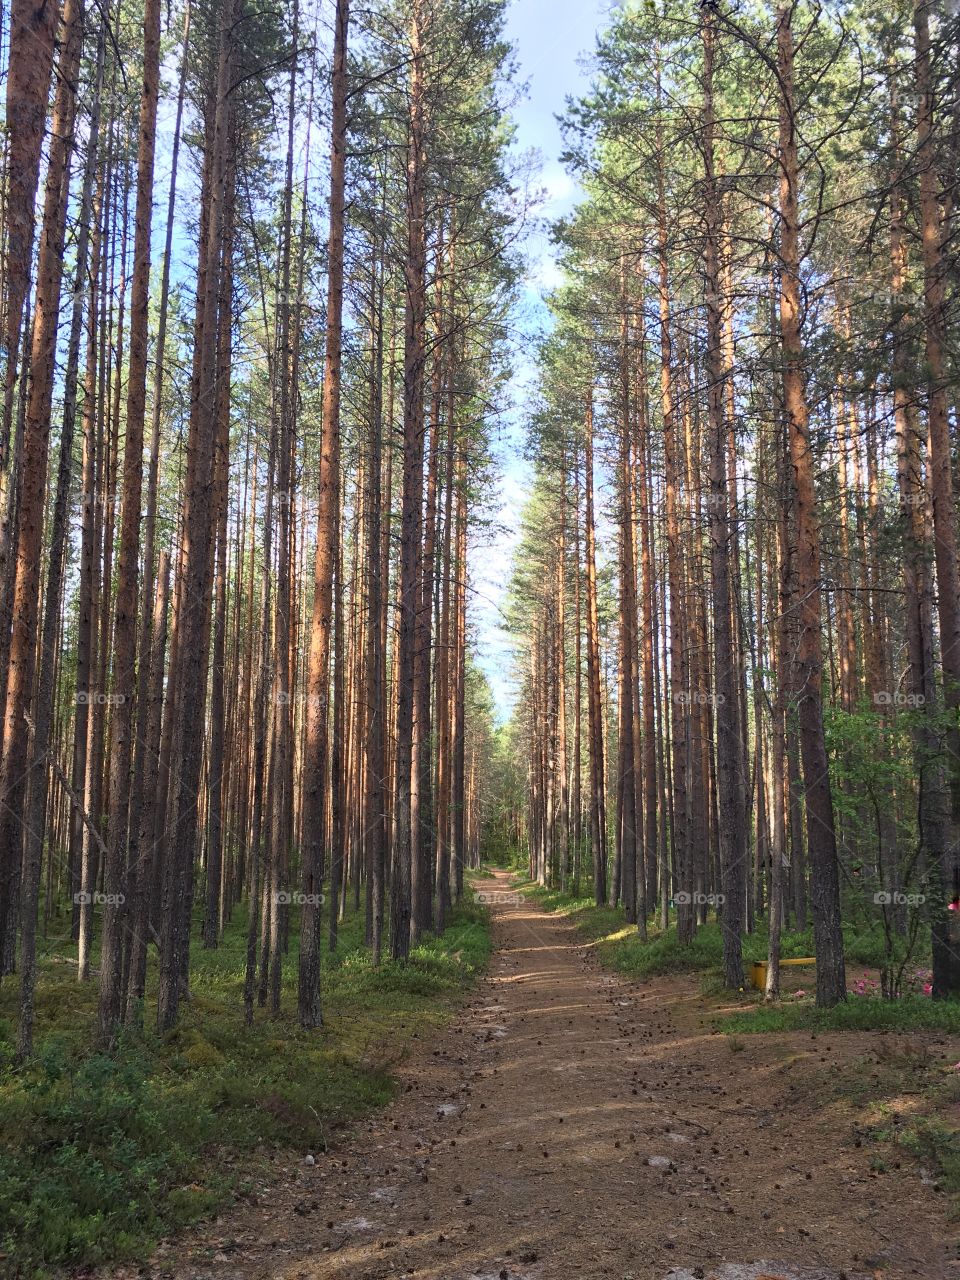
[(559, 186)]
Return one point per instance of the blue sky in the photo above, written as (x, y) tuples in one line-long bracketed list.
[(549, 37)]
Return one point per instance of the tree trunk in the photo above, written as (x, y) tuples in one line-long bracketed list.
[(36, 440), (821, 839), (726, 682), (193, 586), (598, 819), (37, 791), (406, 818), (33, 28), (125, 614), (941, 459), (631, 855), (308, 991)]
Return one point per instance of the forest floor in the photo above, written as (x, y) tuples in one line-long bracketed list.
[(573, 1123)]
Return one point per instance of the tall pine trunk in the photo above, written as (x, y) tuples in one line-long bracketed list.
[(821, 838), (315, 749)]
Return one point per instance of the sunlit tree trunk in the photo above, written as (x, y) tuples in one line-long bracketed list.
[(125, 611), (598, 820), (315, 749), (193, 583), (21, 671), (941, 479), (414, 355), (43, 732), (933, 798), (631, 859), (680, 842), (33, 28), (726, 681), (821, 839)]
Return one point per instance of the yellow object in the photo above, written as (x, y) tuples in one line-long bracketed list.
[(759, 969)]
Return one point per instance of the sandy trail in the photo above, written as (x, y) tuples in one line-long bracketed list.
[(572, 1124)]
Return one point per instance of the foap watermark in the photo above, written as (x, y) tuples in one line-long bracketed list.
[(290, 698), (721, 500), (294, 298), (698, 899), (498, 898), (896, 898), (296, 898), (699, 698), (97, 899), (97, 698), (897, 698), (894, 501)]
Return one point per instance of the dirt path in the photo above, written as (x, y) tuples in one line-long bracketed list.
[(575, 1125)]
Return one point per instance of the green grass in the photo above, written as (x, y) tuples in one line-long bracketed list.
[(937, 1148), (101, 1154), (909, 1013)]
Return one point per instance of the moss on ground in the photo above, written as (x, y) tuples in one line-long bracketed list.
[(102, 1154)]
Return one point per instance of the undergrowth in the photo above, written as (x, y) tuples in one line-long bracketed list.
[(103, 1153)]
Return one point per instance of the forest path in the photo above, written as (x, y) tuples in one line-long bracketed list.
[(572, 1124)]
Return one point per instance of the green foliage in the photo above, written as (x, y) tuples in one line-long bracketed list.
[(92, 1150), (870, 759), (909, 1013), (101, 1154), (937, 1147), (873, 761)]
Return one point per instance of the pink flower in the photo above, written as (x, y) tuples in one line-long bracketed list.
[(927, 988)]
